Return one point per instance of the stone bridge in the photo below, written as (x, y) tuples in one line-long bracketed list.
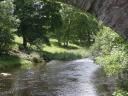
[(113, 13)]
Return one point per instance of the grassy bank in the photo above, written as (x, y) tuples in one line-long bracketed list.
[(64, 53), (53, 52), (8, 62)]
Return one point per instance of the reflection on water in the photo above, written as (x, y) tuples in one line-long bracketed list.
[(56, 78)]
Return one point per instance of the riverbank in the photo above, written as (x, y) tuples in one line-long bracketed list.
[(15, 59), (26, 58)]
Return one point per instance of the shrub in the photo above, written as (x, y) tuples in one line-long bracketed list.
[(120, 93), (106, 41), (113, 63), (5, 40), (8, 24), (111, 52)]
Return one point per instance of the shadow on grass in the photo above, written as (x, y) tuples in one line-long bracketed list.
[(65, 47), (65, 56), (70, 47), (9, 62), (60, 56)]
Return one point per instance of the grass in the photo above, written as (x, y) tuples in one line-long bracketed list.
[(55, 48), (53, 52), (8, 62), (64, 53)]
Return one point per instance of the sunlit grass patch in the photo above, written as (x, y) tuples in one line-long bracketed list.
[(55, 48), (18, 40), (71, 52)]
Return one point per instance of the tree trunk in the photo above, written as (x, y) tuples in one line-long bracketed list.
[(59, 43), (59, 38), (24, 42), (68, 34)]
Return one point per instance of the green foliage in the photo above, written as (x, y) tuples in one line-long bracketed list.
[(8, 23), (110, 51), (61, 56), (37, 17), (113, 63), (5, 40), (8, 62), (120, 93), (106, 41), (86, 25), (55, 52), (75, 23)]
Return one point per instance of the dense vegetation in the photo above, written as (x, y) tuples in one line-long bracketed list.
[(110, 51), (58, 31), (29, 26)]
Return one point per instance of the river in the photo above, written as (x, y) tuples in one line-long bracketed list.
[(56, 78)]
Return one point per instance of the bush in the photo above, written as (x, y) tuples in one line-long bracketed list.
[(113, 63), (6, 39), (8, 24), (60, 56), (120, 93), (106, 41), (8, 62), (111, 52)]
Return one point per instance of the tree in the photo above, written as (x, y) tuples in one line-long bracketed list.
[(68, 16), (77, 27), (85, 28), (37, 17), (8, 23), (57, 26)]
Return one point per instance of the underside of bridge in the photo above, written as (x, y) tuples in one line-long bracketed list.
[(114, 13)]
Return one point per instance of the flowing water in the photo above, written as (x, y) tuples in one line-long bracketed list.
[(57, 78)]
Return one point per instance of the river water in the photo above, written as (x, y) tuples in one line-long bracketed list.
[(56, 78)]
